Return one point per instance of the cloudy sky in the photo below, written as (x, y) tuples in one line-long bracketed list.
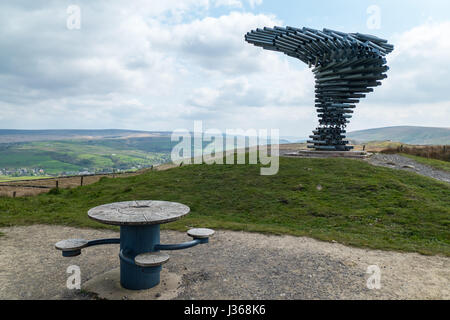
[(161, 64)]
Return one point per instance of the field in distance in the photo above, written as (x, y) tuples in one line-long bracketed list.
[(72, 157)]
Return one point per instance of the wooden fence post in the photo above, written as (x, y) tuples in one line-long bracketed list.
[(81, 181), (14, 194), (57, 184)]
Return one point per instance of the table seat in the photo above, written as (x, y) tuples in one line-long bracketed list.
[(71, 244), (200, 233), (151, 259)]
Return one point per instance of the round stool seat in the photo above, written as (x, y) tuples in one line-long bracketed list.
[(151, 259), (200, 233), (71, 244)]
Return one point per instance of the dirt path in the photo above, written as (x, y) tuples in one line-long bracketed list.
[(234, 265), (396, 161)]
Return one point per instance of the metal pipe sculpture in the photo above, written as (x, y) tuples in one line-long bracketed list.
[(346, 66)]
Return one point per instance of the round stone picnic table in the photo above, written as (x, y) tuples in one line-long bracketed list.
[(135, 213), (139, 223)]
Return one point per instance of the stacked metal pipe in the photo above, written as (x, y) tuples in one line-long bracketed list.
[(346, 67)]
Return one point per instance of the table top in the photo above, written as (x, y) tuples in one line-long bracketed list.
[(142, 212)]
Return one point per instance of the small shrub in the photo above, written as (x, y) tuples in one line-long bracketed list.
[(103, 179), (54, 191), (128, 189)]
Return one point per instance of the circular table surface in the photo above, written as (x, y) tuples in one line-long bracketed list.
[(142, 212)]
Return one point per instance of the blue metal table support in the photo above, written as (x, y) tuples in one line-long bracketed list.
[(180, 246), (141, 239), (135, 240)]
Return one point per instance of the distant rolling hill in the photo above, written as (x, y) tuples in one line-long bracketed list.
[(12, 135), (405, 134), (31, 153)]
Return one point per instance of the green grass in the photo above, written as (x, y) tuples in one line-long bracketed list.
[(358, 204), (434, 163)]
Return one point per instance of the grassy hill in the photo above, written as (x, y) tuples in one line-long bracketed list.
[(345, 200), (56, 157), (95, 154), (405, 134), (69, 152)]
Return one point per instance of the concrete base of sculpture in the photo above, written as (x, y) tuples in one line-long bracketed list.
[(329, 154), (107, 286)]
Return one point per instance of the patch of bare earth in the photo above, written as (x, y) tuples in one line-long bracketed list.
[(234, 265)]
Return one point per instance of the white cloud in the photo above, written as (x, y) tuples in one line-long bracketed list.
[(228, 3), (205, 97), (159, 65), (419, 65), (416, 90), (237, 3), (215, 44)]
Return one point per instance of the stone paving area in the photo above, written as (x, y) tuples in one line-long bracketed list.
[(234, 265)]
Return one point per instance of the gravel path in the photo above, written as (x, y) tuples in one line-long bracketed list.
[(396, 161), (234, 265)]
